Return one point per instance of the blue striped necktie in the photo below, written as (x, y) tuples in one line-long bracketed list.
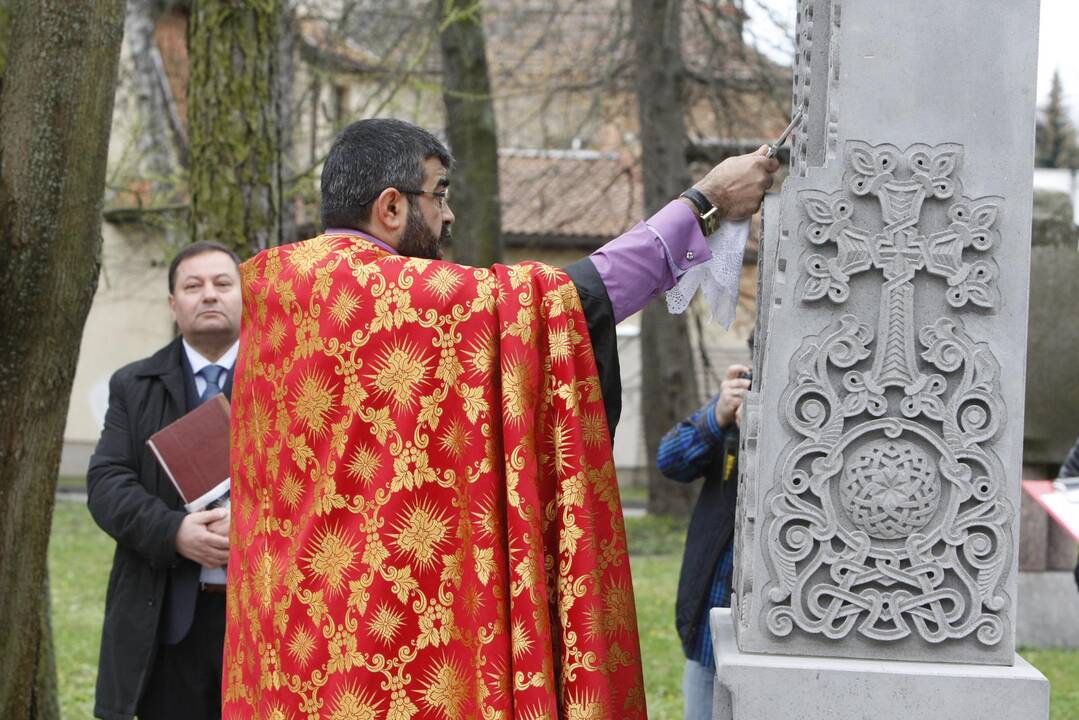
[(212, 375)]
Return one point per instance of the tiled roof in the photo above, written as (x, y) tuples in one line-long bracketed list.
[(573, 197)]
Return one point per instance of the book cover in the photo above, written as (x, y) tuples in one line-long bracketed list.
[(194, 453)]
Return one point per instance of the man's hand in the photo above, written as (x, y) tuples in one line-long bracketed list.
[(731, 393), (195, 540), (736, 186), (221, 527)]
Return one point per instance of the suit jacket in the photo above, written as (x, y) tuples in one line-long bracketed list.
[(152, 589)]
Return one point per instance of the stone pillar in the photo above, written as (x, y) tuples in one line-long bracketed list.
[(879, 501)]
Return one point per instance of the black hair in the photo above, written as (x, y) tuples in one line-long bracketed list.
[(368, 157), (197, 248)]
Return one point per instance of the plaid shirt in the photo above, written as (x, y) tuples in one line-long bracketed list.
[(684, 455)]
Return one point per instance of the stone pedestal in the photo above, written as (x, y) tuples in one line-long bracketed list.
[(780, 687)]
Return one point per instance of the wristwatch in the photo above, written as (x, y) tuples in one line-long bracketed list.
[(707, 213)]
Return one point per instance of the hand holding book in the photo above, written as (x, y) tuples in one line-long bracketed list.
[(196, 541)]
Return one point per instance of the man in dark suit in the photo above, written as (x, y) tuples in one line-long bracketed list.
[(162, 640)]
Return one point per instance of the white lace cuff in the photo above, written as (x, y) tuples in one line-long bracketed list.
[(718, 278)]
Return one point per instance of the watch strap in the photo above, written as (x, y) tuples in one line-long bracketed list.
[(699, 201), (707, 213)]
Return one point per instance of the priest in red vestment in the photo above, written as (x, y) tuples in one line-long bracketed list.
[(426, 517)]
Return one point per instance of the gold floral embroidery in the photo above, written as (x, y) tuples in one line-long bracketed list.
[(350, 704), (436, 626), (485, 564), (265, 578), (275, 335), (473, 401), (518, 394), (411, 469), (445, 689), (443, 281), (594, 429), (393, 310), (290, 490), (558, 344), (364, 465), (455, 439), (312, 401), (399, 372), (481, 355), (386, 623), (333, 555), (305, 255), (520, 642), (302, 645), (420, 533), (343, 653), (344, 307)]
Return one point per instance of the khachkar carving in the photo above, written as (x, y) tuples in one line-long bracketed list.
[(889, 518)]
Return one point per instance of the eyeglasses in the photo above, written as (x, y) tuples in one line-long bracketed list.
[(442, 196)]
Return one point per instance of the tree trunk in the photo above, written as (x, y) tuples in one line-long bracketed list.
[(470, 127), (55, 117), (234, 125), (668, 380)]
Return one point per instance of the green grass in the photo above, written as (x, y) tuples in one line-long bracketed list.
[(80, 556), (72, 482), (1061, 667)]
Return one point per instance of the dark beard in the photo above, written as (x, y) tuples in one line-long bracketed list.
[(418, 240)]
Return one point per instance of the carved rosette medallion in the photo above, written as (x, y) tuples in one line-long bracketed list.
[(889, 517)]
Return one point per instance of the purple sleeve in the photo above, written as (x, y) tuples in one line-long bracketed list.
[(649, 258)]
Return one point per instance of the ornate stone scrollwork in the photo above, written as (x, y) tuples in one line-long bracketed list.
[(889, 517)]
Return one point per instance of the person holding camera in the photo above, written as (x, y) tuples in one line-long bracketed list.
[(706, 445)]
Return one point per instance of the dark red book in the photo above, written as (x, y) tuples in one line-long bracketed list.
[(194, 453)]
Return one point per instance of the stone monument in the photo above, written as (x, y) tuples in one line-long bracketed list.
[(877, 543)]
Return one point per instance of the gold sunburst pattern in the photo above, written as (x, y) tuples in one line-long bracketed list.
[(420, 531), (445, 690), (301, 645), (399, 372), (443, 281), (306, 255), (518, 391), (349, 703), (344, 307), (275, 334), (455, 439), (291, 489), (385, 623), (481, 354), (313, 400), (364, 464), (332, 555), (266, 577)]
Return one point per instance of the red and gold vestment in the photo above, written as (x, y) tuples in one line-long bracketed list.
[(426, 520)]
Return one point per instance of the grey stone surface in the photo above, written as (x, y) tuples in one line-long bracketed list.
[(769, 687), (1048, 611), (879, 498)]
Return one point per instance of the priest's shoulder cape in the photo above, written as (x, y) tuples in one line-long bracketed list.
[(426, 520)]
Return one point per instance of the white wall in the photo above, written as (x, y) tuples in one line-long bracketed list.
[(129, 319)]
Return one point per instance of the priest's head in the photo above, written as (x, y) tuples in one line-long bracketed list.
[(390, 179)]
